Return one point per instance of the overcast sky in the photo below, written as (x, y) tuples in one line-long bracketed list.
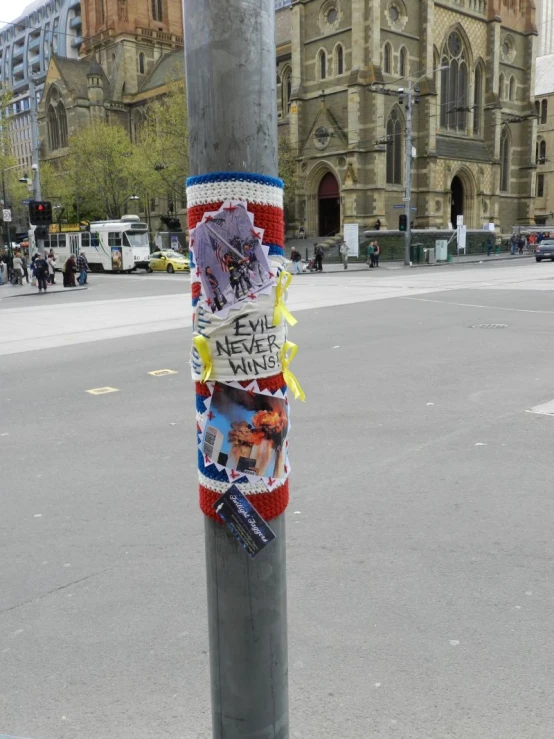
[(11, 9)]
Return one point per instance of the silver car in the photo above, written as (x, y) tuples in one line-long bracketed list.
[(545, 250)]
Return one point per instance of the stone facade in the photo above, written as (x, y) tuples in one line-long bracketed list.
[(474, 127), (544, 148)]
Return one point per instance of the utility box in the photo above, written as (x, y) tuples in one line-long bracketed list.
[(441, 250), (430, 256)]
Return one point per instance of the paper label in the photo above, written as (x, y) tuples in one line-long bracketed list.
[(244, 521)]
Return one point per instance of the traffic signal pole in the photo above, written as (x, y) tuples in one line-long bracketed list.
[(231, 92), (408, 177), (34, 138)]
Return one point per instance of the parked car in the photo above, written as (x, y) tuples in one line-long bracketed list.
[(169, 261), (545, 250)]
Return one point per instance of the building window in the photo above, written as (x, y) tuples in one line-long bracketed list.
[(141, 63), (454, 83), (52, 126), (403, 63), (286, 90), (477, 100), (501, 86), (540, 186), (512, 89), (542, 152), (505, 161), (62, 124), (387, 59), (157, 10), (394, 149), (544, 111), (340, 60), (322, 65), (537, 108)]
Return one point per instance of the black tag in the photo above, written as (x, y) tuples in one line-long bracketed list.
[(244, 521)]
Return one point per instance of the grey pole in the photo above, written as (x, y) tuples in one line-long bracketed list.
[(34, 137), (232, 109), (408, 178)]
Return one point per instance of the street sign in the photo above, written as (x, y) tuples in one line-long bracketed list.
[(25, 202), (401, 206), (6, 215), (406, 200)]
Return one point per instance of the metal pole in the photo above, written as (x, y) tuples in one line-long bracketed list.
[(7, 239), (231, 91), (34, 137), (408, 178)]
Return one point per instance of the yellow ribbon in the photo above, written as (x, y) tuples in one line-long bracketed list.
[(286, 355), (204, 350), (281, 311)]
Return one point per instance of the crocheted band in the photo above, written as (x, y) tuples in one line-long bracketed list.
[(263, 197)]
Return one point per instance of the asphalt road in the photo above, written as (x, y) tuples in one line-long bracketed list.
[(420, 543)]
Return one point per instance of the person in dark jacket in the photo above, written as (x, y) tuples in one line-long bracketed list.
[(70, 268), (40, 271)]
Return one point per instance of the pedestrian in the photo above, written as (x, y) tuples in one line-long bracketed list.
[(344, 254), (17, 269), (40, 271), (296, 260), (25, 268), (370, 257), (489, 245), (376, 254), (520, 244), (319, 255), (1, 270), (9, 265), (51, 259), (82, 267), (69, 269), (378, 225)]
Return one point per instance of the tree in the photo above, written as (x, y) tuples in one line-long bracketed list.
[(12, 191), (288, 172)]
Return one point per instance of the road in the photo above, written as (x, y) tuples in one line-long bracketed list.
[(420, 543)]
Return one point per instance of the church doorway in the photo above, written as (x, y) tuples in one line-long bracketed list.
[(329, 205), (457, 200)]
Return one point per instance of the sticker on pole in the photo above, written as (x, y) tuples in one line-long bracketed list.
[(6, 215), (244, 521)]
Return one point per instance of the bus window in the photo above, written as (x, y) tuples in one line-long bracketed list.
[(94, 239), (114, 238), (53, 241), (85, 238), (61, 241)]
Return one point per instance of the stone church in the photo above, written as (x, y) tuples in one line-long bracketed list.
[(474, 123)]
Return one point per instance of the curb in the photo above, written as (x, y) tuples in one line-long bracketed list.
[(36, 292)]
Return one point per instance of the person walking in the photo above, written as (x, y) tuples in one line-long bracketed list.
[(489, 246), (1, 270), (82, 267), (296, 260), (370, 255), (51, 259), (69, 269), (40, 271), (319, 255), (376, 254), (25, 268), (344, 250), (17, 269)]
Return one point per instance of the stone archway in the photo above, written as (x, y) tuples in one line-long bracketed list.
[(457, 200), (462, 198), (328, 198), (315, 185)]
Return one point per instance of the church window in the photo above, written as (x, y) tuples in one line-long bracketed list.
[(394, 149), (332, 15), (53, 131), (540, 186), (157, 10), (141, 63), (542, 152), (512, 89), (477, 99), (62, 124), (537, 109), (403, 63), (454, 84), (544, 111), (286, 90), (340, 59), (505, 161), (322, 65), (387, 59), (501, 87)]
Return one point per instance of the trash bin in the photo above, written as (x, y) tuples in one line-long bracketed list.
[(430, 256), (416, 253)]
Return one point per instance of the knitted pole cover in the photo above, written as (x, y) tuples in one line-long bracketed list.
[(240, 354)]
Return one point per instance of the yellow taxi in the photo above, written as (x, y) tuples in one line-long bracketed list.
[(169, 261)]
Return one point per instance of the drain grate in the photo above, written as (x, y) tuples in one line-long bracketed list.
[(490, 325)]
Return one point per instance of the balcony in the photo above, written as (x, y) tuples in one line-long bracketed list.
[(76, 22), (76, 42), (17, 52), (18, 69), (34, 41), (74, 4)]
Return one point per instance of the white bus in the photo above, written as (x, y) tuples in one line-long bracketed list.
[(109, 246)]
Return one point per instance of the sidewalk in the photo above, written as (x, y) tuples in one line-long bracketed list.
[(398, 264), (18, 291)]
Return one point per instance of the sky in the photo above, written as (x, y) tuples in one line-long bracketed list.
[(11, 9)]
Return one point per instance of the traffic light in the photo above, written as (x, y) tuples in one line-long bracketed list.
[(40, 212), (402, 222)]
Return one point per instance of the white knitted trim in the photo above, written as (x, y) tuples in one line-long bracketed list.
[(252, 192), (246, 488)]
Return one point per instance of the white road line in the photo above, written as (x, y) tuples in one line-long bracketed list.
[(476, 305)]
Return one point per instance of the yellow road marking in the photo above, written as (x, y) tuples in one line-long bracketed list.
[(102, 390), (160, 373)]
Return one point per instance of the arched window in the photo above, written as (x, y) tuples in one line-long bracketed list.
[(387, 59), (403, 63), (512, 89), (286, 90), (394, 148), (538, 108), (542, 152), (505, 161), (501, 87), (62, 124), (322, 65), (544, 111), (53, 130), (141, 63), (477, 99), (454, 84), (340, 59)]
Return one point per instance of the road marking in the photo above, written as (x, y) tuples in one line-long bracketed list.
[(475, 305), (545, 409), (102, 391), (162, 372)]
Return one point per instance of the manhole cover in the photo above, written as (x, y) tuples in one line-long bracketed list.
[(490, 325)]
